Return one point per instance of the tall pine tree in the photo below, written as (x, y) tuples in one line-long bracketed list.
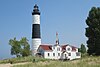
[(83, 49), (93, 31)]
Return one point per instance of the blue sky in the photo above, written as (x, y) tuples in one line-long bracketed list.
[(67, 17)]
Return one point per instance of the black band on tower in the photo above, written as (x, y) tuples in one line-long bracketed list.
[(36, 31), (34, 13)]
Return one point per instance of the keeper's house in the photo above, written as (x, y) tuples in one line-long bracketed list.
[(58, 52)]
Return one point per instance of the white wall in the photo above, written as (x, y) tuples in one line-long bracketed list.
[(56, 50), (46, 55), (76, 49), (73, 55), (35, 45), (78, 56)]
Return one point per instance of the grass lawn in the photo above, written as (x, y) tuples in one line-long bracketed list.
[(83, 62)]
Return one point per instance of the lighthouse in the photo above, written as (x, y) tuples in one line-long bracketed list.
[(36, 35)]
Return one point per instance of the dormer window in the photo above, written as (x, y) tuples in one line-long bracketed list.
[(59, 49), (68, 49)]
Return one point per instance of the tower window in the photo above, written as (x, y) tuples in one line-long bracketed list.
[(58, 49), (53, 47)]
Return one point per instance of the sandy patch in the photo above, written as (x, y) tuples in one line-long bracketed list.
[(5, 65), (10, 65)]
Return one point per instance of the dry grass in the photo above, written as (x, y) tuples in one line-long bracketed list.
[(84, 62), (40, 62)]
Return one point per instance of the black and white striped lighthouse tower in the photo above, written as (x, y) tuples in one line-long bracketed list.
[(36, 35)]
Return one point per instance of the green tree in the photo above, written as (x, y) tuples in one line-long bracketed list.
[(15, 47), (93, 31), (25, 47), (20, 48), (83, 49), (79, 49)]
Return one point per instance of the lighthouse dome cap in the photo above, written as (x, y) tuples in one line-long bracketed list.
[(35, 10)]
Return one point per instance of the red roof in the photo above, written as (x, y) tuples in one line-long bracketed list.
[(49, 47), (64, 47), (46, 47), (73, 48)]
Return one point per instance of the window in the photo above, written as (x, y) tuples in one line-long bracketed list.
[(53, 54), (58, 54), (77, 54), (58, 49), (53, 47), (69, 54), (68, 49), (48, 54), (65, 55)]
